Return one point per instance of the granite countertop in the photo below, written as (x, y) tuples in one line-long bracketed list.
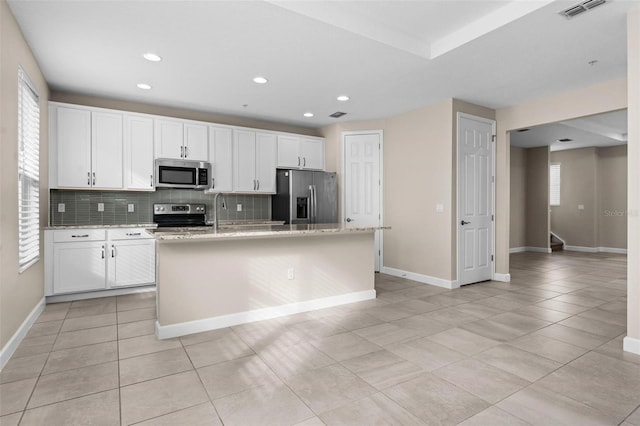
[(256, 231), (137, 225)]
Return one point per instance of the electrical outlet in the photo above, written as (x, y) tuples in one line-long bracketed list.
[(580, 206), (239, 207), (131, 208), (439, 208), (291, 273), (100, 207), (61, 207)]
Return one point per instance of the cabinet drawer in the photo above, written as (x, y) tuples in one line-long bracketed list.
[(128, 234), (75, 235)]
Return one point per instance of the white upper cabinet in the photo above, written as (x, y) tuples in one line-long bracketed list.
[(299, 152), (181, 140), (254, 156), (138, 142), (87, 149), (106, 150), (221, 158)]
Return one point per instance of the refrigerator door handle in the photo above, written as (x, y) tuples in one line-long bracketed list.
[(311, 204), (314, 194)]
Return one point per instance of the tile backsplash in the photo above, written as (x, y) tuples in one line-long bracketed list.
[(81, 207)]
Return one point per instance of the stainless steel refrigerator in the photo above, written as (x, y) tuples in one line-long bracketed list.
[(305, 197)]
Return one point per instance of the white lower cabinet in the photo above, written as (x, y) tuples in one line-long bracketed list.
[(85, 260)]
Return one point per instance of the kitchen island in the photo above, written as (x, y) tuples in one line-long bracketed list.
[(209, 279)]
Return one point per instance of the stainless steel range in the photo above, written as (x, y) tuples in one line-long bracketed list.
[(179, 215)]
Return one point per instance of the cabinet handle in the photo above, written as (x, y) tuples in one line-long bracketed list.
[(88, 178), (94, 178), (213, 182), (298, 161), (133, 234), (103, 252), (80, 236), (151, 181), (254, 184), (304, 161), (186, 151), (257, 184), (182, 152), (113, 251)]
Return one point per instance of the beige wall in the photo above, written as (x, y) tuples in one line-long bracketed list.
[(167, 111), (633, 179), (597, 179), (518, 201), (537, 197), (19, 293), (578, 185), (420, 168)]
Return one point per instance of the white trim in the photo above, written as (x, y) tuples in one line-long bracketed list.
[(631, 344), (214, 323), (558, 237), (102, 293), (538, 249), (425, 279), (379, 233), (596, 249), (517, 249), (493, 191), (505, 278), (13, 343)]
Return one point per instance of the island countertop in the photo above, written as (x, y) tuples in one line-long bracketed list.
[(256, 231)]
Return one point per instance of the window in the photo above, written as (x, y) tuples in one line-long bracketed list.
[(554, 184), (28, 173)]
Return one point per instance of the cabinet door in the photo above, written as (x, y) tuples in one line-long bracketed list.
[(139, 152), (196, 142), (106, 150), (73, 148), (244, 161), (312, 153), (132, 262), (169, 137), (289, 152), (266, 158), (79, 267), (221, 158)]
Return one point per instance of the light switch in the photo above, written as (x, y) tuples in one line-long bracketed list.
[(439, 208), (580, 206), (239, 207), (100, 207), (61, 207), (131, 207)]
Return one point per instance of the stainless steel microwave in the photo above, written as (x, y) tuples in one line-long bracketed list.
[(184, 174)]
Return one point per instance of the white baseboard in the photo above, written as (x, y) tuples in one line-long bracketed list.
[(13, 343), (95, 294), (214, 323), (596, 249), (425, 279), (538, 249), (631, 344), (505, 278), (517, 249)]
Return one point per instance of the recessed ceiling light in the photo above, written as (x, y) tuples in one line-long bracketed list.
[(308, 114), (144, 86), (260, 80), (343, 98), (152, 57)]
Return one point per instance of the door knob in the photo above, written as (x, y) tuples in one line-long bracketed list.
[(349, 219), (462, 222)]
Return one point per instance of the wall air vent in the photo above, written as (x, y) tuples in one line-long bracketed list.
[(581, 7), (338, 114)]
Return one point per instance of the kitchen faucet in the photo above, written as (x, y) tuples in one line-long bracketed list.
[(215, 209)]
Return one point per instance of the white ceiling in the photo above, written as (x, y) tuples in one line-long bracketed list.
[(388, 56), (600, 130)]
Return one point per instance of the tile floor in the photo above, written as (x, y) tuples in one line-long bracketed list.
[(544, 349)]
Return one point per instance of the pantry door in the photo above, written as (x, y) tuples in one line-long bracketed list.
[(362, 183)]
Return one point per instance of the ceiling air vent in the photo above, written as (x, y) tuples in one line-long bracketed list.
[(523, 130), (338, 114), (564, 140), (581, 7)]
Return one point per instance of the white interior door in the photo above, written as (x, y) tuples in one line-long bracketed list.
[(475, 198), (362, 184)]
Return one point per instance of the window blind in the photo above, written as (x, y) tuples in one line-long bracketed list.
[(554, 184), (28, 173)]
